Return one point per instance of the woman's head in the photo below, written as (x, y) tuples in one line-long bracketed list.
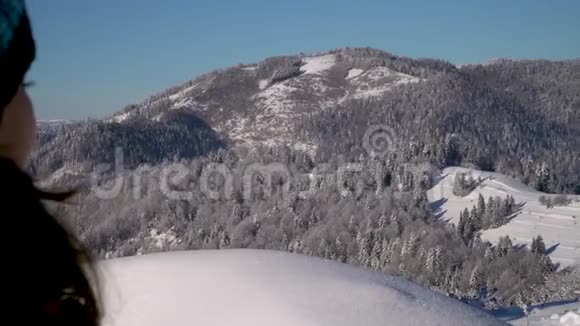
[(46, 268), (18, 129), (17, 52), (47, 273)]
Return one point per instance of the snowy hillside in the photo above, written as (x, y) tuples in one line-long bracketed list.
[(559, 226), (47, 125), (563, 315), (250, 287), (268, 101)]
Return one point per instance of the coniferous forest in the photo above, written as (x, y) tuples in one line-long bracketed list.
[(518, 118)]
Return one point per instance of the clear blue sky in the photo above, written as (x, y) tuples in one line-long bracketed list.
[(94, 57)]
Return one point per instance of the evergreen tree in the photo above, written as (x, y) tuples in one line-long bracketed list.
[(458, 184), (412, 244), (375, 261), (504, 246), (383, 222), (475, 282), (480, 205), (398, 224), (543, 174), (475, 218), (538, 245), (386, 253), (470, 230), (461, 226), (490, 209), (489, 254), (365, 248), (323, 249), (430, 260), (224, 240), (340, 250)]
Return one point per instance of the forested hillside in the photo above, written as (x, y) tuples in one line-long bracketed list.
[(310, 115)]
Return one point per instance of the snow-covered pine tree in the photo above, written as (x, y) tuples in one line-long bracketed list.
[(543, 175), (397, 222), (430, 260), (490, 209), (461, 224), (383, 220), (323, 250), (365, 247), (504, 246), (375, 259), (538, 246), (480, 205), (489, 253), (410, 245), (353, 224), (224, 240), (385, 253), (470, 230), (395, 248), (459, 185), (340, 250), (475, 218), (475, 281)]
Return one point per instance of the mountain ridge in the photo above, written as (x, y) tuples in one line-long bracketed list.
[(529, 107)]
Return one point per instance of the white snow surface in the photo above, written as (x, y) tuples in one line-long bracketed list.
[(250, 68), (376, 81), (264, 288), (263, 83), (318, 64), (120, 117), (180, 94), (354, 72), (53, 122), (563, 315), (559, 226)]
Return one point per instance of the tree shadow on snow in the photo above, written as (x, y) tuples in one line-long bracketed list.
[(440, 179), (439, 217), (513, 313), (508, 314), (552, 249), (519, 246), (518, 210), (436, 205)]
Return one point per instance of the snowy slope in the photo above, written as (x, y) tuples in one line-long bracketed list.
[(559, 226), (377, 81), (260, 111), (53, 122), (48, 125), (251, 287), (318, 64), (566, 314)]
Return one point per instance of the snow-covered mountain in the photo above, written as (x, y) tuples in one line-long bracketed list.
[(322, 104), (264, 288), (269, 99), (310, 112), (559, 225), (44, 125)]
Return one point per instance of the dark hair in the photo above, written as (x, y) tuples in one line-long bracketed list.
[(50, 277)]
